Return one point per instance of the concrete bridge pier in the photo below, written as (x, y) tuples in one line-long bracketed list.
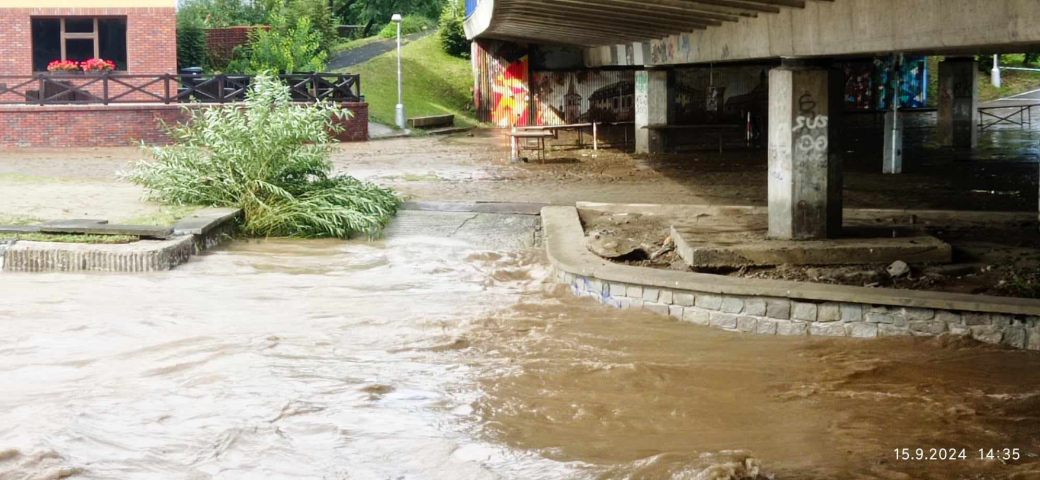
[(893, 161), (652, 107), (959, 103), (805, 166)]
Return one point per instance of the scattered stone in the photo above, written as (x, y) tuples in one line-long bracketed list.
[(827, 330), (723, 320), (919, 313), (851, 312), (732, 305), (950, 318), (1015, 337), (697, 316), (987, 334), (975, 319), (684, 299), (658, 308), (928, 328), (709, 302), (611, 247), (767, 327), (828, 312), (862, 330), (747, 324), (898, 269), (805, 312), (791, 328), (755, 306), (886, 330), (779, 309)]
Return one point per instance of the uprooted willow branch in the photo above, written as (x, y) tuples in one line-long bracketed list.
[(269, 157)]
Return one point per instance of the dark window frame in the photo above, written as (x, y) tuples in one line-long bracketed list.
[(95, 35)]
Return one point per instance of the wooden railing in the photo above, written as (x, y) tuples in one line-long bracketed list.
[(115, 88)]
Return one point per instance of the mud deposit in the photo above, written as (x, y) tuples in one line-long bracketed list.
[(426, 358)]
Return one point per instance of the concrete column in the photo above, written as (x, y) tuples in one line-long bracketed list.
[(805, 169), (651, 109), (959, 103), (893, 162)]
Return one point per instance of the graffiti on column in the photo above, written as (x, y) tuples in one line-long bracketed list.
[(810, 130)]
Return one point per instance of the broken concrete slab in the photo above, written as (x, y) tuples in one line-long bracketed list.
[(202, 221), (145, 231), (715, 247), (74, 222)]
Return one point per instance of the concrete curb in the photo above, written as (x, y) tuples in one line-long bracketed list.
[(783, 307), (199, 231), (137, 257)]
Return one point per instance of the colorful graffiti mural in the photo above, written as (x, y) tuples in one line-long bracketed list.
[(913, 85), (869, 83), (501, 91), (582, 96)]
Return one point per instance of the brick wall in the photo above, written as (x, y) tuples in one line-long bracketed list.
[(151, 37), (221, 42), (115, 125)]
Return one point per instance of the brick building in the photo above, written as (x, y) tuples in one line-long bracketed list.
[(124, 107), (140, 36)]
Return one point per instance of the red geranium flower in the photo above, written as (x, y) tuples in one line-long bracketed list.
[(98, 65), (62, 66)]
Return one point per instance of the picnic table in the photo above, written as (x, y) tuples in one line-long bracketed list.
[(521, 136)]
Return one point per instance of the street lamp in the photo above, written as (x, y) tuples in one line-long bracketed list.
[(399, 111)]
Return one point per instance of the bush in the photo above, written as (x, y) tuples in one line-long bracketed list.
[(320, 16), (191, 42), (453, 34), (270, 158), (281, 49), (223, 13), (409, 24)]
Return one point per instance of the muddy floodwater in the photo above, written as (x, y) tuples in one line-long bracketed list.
[(427, 358)]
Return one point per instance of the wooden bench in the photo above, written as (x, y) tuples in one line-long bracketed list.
[(432, 121), (520, 140)]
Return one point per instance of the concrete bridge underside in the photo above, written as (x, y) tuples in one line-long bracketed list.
[(805, 93), (741, 30)]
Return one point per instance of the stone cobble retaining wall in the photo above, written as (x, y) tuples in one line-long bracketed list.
[(783, 316)]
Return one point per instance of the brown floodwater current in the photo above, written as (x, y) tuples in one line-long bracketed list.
[(423, 358)]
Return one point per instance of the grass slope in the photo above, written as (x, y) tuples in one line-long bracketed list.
[(435, 83), (1012, 82)]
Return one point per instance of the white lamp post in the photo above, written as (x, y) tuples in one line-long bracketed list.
[(399, 111)]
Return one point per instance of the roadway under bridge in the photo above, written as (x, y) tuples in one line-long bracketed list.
[(801, 43)]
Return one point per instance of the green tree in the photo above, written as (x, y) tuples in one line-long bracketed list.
[(452, 33), (281, 48), (270, 158), (191, 42), (319, 13), (223, 13)]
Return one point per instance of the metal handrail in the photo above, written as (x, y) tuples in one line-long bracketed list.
[(113, 88)]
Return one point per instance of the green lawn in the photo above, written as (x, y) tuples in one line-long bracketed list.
[(435, 83), (1012, 82)]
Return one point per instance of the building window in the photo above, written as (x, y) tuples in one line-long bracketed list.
[(78, 39)]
